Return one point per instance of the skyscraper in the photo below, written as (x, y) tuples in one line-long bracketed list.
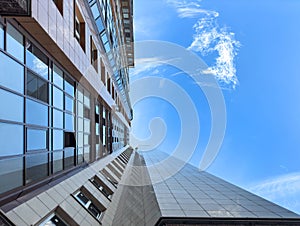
[(65, 117)]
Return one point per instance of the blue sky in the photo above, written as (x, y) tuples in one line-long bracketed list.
[(252, 48)]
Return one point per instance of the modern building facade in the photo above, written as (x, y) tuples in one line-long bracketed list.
[(65, 117)]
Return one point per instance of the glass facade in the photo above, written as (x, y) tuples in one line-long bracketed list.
[(47, 112)]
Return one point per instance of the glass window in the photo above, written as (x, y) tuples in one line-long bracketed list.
[(69, 102), (80, 140), (69, 122), (95, 10), (69, 86), (36, 60), (80, 94), (37, 87), (87, 126), (69, 158), (1, 37), (53, 219), (57, 161), (36, 167), (86, 139), (58, 139), (36, 139), (80, 109), (58, 98), (58, 119), (36, 113), (99, 24), (9, 134), (57, 78), (11, 106), (82, 198), (11, 171), (15, 43), (11, 74), (86, 154), (80, 124), (79, 155)]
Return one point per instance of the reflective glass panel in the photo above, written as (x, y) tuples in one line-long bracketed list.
[(86, 154), (11, 74), (69, 158), (36, 139), (36, 87), (80, 94), (11, 171), (69, 122), (86, 139), (9, 134), (100, 25), (57, 161), (36, 113), (11, 106), (1, 37), (80, 109), (58, 98), (57, 78), (58, 139), (69, 86), (69, 102), (80, 124), (87, 100), (80, 140), (87, 126), (42, 90), (80, 155), (15, 43), (95, 10), (58, 119), (36, 60), (36, 167)]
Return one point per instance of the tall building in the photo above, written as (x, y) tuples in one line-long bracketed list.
[(65, 116)]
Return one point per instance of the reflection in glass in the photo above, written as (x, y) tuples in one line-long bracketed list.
[(69, 86), (69, 122), (36, 60), (11, 171), (36, 167), (11, 106), (87, 126), (80, 155), (58, 98), (69, 104), (80, 124), (80, 140), (80, 94), (87, 100), (86, 154), (57, 76), (80, 109), (1, 37), (86, 139), (37, 87), (58, 119), (69, 158), (58, 139), (9, 134), (36, 139), (57, 161), (36, 113), (11, 74), (15, 43)]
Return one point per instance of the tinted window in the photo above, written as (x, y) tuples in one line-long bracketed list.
[(11, 171), (1, 37), (11, 74), (69, 86), (36, 167), (80, 109), (57, 161), (69, 158), (79, 155), (100, 25), (36, 139), (58, 98), (9, 134), (37, 87), (69, 122), (69, 104), (57, 76), (36, 60), (14, 43), (80, 140), (58, 139), (11, 106), (36, 113), (58, 119)]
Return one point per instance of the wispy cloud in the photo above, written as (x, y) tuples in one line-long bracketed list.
[(210, 38), (282, 190)]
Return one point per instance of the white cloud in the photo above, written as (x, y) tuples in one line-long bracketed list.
[(281, 190), (210, 38)]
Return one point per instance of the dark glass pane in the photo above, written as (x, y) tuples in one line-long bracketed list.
[(79, 155), (55, 221), (9, 134), (11, 106), (57, 76), (43, 90), (11, 74), (31, 85), (36, 60), (69, 104), (94, 210), (69, 158), (36, 139), (69, 122), (58, 119), (57, 161), (58, 139), (69, 138), (15, 43), (36, 167), (36, 113), (11, 173), (82, 198), (58, 98), (1, 37), (86, 154), (69, 86)]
